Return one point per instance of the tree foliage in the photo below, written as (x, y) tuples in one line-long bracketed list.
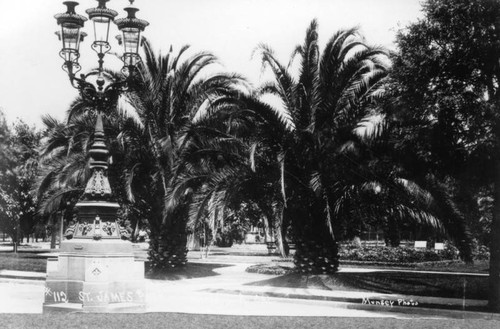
[(447, 72), (18, 170), (447, 75)]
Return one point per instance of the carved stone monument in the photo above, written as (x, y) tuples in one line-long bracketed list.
[(96, 270)]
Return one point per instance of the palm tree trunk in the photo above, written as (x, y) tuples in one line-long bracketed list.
[(168, 242), (316, 250), (280, 232), (275, 224)]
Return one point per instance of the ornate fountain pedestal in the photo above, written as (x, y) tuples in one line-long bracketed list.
[(95, 276), (96, 270)]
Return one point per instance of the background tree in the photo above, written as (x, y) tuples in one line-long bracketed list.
[(8, 222), (18, 170), (26, 142), (447, 74)]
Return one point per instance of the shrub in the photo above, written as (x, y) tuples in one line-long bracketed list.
[(481, 252), (396, 254)]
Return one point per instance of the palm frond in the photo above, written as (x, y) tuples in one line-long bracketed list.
[(54, 202), (371, 127)]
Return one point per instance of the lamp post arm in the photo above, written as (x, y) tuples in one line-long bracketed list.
[(100, 89)]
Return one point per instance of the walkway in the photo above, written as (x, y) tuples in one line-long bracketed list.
[(232, 291), (196, 295), (224, 287)]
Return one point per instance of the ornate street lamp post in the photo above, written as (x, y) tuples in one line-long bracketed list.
[(96, 270)]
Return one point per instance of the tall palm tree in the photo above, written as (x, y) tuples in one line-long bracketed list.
[(321, 108), (167, 98)]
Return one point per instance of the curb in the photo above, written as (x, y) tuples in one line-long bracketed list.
[(22, 277), (423, 308)]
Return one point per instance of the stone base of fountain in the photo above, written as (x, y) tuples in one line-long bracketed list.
[(95, 276)]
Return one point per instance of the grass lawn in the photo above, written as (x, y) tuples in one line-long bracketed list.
[(23, 261), (190, 271), (34, 262)]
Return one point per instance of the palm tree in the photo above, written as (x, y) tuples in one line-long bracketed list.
[(167, 99), (321, 108)]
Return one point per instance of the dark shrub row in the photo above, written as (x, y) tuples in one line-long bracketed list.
[(406, 254)]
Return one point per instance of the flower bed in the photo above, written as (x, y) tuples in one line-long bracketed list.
[(271, 269)]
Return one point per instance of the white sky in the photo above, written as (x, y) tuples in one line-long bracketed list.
[(32, 82)]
